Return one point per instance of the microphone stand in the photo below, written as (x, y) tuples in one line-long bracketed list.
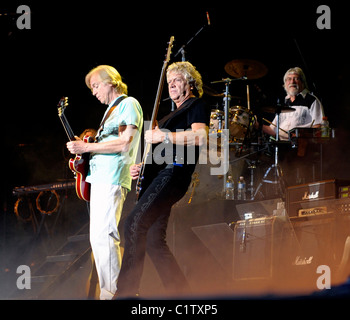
[(183, 58), (182, 48)]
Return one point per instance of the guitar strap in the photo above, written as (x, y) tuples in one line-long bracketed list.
[(115, 104), (186, 105)]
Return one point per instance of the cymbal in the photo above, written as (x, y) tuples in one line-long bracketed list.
[(251, 69), (274, 109), (213, 93)]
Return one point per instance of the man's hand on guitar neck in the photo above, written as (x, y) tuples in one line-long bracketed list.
[(135, 170)]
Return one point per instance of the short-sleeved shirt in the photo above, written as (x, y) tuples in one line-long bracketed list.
[(308, 110), (114, 168), (193, 110)]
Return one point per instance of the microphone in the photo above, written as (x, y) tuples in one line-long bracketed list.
[(208, 19), (242, 245)]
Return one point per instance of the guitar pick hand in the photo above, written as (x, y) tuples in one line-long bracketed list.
[(77, 147)]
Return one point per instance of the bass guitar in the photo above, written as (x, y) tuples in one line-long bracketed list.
[(154, 117), (80, 164)]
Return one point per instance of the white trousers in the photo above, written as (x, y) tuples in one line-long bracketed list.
[(106, 205)]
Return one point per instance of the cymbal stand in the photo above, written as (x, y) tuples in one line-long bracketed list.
[(275, 169), (225, 136)]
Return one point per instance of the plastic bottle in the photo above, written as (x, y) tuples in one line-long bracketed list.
[(325, 128), (230, 188), (241, 189)]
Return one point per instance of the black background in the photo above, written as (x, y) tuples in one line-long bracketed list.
[(50, 60)]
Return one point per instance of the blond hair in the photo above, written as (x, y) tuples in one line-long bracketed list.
[(190, 73), (110, 75)]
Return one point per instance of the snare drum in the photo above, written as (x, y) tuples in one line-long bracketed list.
[(240, 120)]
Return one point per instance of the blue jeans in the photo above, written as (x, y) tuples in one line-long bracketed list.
[(145, 229)]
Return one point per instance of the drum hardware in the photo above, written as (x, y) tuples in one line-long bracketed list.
[(275, 169), (252, 168), (227, 98), (213, 93), (248, 69), (282, 109), (226, 137), (216, 118), (242, 119)]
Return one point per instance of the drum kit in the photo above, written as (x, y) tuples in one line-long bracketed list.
[(242, 124)]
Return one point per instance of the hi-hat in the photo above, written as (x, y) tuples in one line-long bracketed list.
[(251, 69)]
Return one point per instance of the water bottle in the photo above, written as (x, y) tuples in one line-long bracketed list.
[(241, 189), (230, 189), (325, 128)]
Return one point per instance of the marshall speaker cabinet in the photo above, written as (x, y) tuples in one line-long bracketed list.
[(257, 245), (313, 198)]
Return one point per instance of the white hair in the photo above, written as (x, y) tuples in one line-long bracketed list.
[(299, 72)]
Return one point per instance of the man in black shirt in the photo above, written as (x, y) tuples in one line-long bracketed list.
[(176, 146)]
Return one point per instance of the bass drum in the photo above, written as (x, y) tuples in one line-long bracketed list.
[(240, 120)]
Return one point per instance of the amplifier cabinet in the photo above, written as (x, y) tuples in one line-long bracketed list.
[(312, 195), (257, 243)]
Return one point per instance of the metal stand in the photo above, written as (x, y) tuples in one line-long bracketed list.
[(252, 168), (226, 135), (274, 170)]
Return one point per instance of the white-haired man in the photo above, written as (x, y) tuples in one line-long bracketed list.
[(308, 108), (165, 183)]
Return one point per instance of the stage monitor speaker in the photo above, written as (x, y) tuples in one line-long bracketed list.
[(257, 243), (218, 238), (258, 208)]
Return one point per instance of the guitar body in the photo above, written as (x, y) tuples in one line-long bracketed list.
[(80, 167)]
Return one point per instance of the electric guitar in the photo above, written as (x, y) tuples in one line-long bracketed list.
[(80, 164), (154, 117)]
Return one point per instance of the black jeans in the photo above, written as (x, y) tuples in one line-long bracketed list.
[(145, 229)]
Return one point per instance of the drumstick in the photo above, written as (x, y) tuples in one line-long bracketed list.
[(274, 125), (248, 97)]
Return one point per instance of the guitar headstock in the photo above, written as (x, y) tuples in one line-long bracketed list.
[(170, 46), (62, 104)]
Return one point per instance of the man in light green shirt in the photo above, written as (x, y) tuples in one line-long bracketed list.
[(113, 152)]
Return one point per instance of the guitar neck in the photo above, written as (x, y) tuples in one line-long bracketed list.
[(67, 127), (154, 117), (158, 97)]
